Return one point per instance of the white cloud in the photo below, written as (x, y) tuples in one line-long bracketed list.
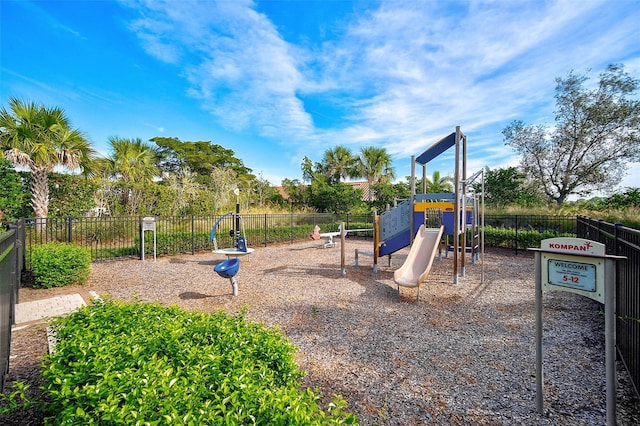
[(401, 75), (237, 64), (56, 24)]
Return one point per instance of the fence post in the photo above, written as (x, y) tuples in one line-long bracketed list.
[(18, 227), (291, 235), (193, 234), (516, 235), (265, 229), (617, 226), (600, 222), (70, 229)]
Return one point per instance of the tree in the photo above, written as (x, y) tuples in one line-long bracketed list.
[(387, 194), (597, 133), (224, 181), (337, 198), (12, 195), (298, 193), (41, 138), (262, 192), (131, 161), (630, 198), (439, 184), (131, 165), (338, 163), (182, 189), (505, 186), (71, 195), (201, 157), (374, 164), (308, 172)]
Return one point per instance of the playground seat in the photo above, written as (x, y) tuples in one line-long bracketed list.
[(228, 268)]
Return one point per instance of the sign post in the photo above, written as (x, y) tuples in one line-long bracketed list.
[(148, 224), (578, 266)]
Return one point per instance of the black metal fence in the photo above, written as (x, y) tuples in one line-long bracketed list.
[(11, 263), (111, 237), (520, 232), (622, 241)]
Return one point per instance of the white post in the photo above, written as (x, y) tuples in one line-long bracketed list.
[(343, 232), (610, 338), (539, 371)]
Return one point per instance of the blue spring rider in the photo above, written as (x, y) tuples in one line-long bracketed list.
[(228, 269)]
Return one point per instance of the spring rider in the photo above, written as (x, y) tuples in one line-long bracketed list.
[(228, 269)]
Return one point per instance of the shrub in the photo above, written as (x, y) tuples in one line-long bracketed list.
[(508, 237), (178, 242), (141, 363), (59, 264)]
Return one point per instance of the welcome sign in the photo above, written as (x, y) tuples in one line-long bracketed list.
[(574, 265), (578, 266)]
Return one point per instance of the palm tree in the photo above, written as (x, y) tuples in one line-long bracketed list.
[(338, 162), (438, 184), (374, 164), (132, 163), (40, 138)]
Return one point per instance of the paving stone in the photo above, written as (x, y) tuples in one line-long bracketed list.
[(52, 307)]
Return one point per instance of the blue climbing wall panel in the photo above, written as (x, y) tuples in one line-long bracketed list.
[(395, 243), (394, 228)]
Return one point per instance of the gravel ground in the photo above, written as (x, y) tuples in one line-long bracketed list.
[(460, 355)]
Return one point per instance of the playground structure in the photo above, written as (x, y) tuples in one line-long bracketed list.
[(424, 219), (230, 267), (240, 241)]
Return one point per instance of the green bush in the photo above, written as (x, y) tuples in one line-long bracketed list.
[(59, 264), (507, 237), (278, 235), (178, 242), (141, 363), (103, 230)]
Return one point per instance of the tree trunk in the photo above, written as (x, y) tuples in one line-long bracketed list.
[(560, 199), (370, 190), (40, 192)]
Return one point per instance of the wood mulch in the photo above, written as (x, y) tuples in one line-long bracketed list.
[(462, 354)]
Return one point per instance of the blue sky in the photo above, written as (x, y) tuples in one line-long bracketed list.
[(279, 80)]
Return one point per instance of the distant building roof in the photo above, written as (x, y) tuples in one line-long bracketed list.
[(282, 192), (364, 186)]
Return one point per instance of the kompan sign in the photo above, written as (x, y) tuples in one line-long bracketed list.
[(574, 265), (582, 267)]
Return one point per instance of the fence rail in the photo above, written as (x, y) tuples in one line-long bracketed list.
[(622, 241), (11, 262)]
